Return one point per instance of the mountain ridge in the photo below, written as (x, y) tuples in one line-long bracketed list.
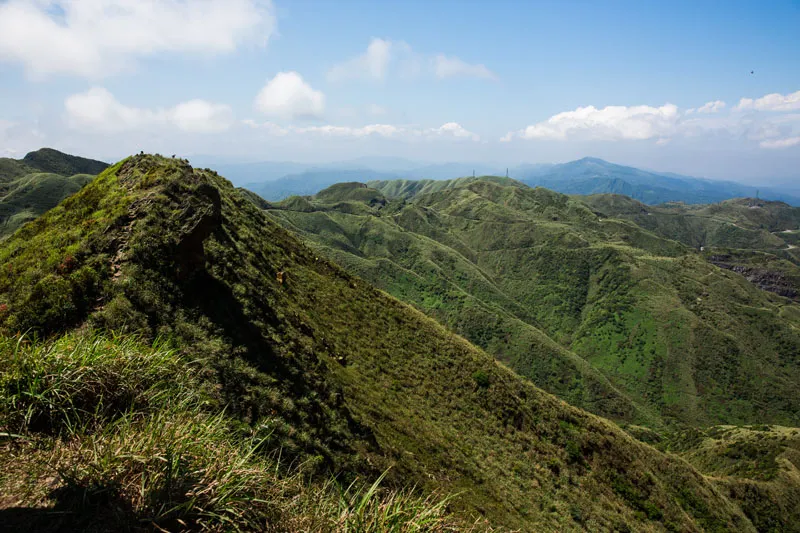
[(498, 262), (323, 363)]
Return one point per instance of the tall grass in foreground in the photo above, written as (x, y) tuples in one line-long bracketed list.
[(124, 431)]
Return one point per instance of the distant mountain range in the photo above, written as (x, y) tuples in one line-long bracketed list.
[(595, 176), (584, 177)]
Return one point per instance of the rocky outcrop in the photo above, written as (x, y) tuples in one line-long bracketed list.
[(764, 279)]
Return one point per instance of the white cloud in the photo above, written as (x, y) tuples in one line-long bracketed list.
[(609, 123), (287, 96), (780, 143), (98, 110), (95, 38), (768, 124), (771, 102), (201, 116), (372, 64), (448, 67), (450, 130), (712, 107), (454, 129)]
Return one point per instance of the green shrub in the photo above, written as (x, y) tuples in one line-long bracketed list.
[(481, 378)]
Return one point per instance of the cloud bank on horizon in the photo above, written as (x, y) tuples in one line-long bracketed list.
[(772, 121), (428, 100)]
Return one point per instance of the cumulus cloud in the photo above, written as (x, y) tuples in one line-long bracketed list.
[(451, 130), (288, 96), (767, 123), (201, 116), (771, 102), (97, 110), (372, 64), (609, 123), (454, 129), (95, 38), (449, 67)]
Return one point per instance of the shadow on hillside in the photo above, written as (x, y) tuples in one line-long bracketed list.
[(93, 509)]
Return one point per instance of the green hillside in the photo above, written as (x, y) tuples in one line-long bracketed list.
[(411, 188), (668, 337), (55, 162), (38, 182), (757, 465), (254, 356), (756, 238), (738, 223), (33, 194)]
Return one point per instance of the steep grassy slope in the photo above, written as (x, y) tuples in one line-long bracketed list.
[(501, 263), (321, 365), (441, 278)]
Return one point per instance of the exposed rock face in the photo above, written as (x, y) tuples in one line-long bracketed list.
[(204, 218), (766, 280)]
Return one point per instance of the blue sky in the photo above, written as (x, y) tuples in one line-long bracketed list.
[(662, 85)]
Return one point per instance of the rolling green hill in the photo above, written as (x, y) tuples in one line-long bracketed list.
[(38, 182), (668, 337), (757, 238), (738, 223), (267, 355)]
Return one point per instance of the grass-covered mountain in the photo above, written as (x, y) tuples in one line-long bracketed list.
[(737, 223), (38, 182), (594, 176), (597, 310), (757, 238), (202, 368)]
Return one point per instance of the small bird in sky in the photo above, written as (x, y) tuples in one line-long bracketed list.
[(752, 72)]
